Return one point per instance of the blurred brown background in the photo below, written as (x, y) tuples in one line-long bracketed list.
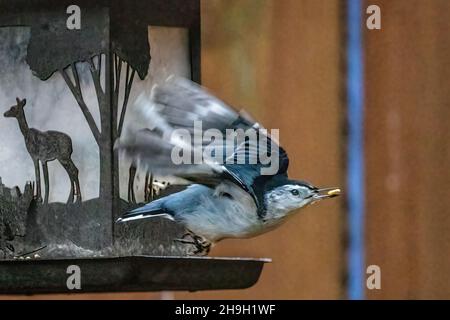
[(408, 149), (284, 61)]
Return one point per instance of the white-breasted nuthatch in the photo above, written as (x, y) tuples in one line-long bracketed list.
[(226, 199)]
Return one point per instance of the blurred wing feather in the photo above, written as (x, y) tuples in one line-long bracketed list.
[(178, 103)]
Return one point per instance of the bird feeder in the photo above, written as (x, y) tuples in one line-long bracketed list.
[(70, 73)]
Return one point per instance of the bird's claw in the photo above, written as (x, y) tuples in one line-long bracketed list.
[(184, 241), (202, 246)]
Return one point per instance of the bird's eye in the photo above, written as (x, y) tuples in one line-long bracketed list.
[(295, 192)]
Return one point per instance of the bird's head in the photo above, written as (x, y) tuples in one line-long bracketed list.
[(297, 194)]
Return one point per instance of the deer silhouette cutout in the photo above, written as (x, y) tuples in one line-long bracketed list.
[(45, 147)]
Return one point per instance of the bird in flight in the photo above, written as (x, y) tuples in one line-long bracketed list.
[(235, 190)]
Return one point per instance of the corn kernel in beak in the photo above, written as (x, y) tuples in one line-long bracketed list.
[(334, 192)]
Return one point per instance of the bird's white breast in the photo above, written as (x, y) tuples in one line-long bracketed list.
[(220, 217)]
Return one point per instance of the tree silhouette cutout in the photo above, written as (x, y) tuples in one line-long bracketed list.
[(109, 49)]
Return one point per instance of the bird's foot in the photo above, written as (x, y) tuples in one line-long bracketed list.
[(202, 246), (202, 249), (183, 238)]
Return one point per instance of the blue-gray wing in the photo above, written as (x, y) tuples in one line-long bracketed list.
[(180, 105)]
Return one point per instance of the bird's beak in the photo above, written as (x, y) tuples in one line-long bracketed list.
[(326, 193)]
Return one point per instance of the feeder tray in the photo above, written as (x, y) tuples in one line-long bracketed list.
[(130, 274)]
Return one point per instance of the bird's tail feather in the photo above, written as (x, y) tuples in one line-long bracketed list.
[(146, 212)]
